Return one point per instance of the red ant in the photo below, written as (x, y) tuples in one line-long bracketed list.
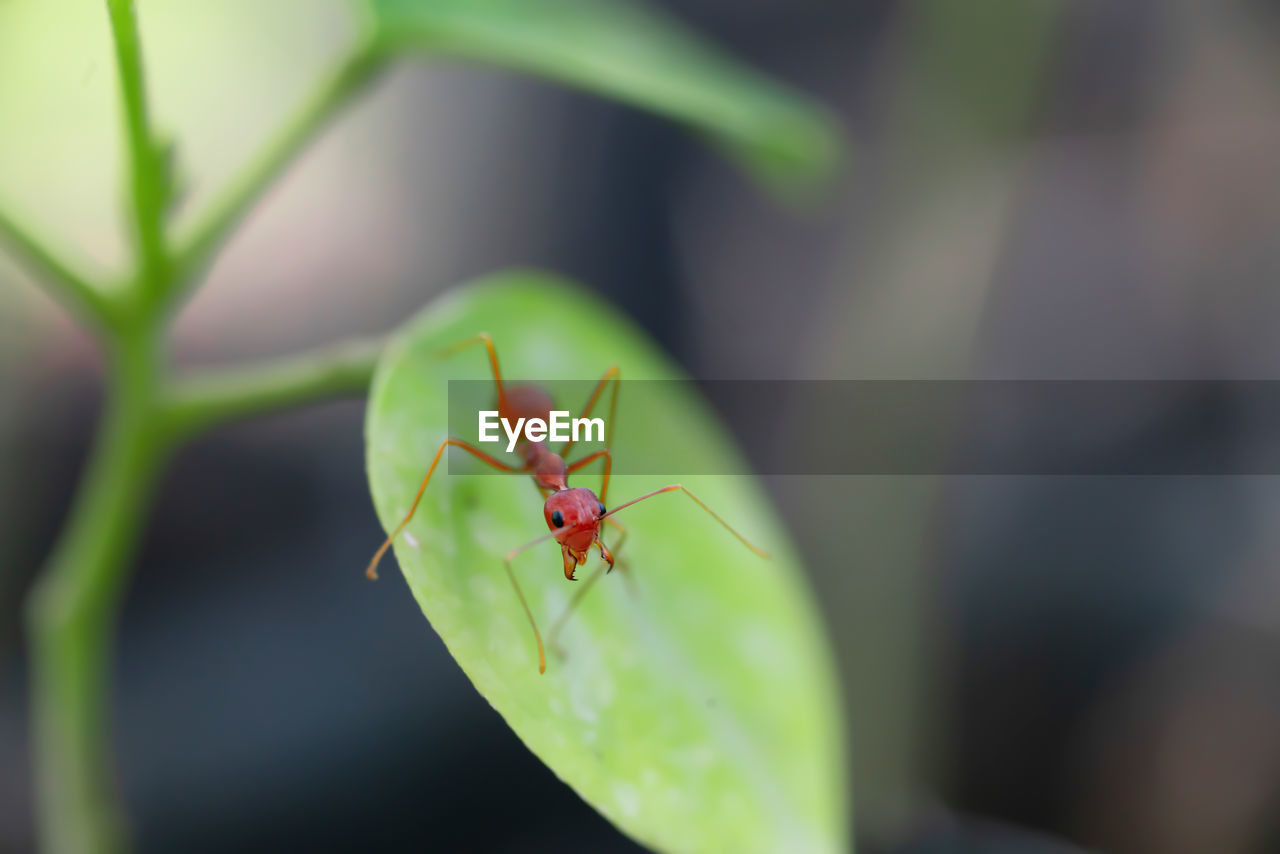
[(574, 515)]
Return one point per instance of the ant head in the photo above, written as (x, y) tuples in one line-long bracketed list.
[(573, 515)]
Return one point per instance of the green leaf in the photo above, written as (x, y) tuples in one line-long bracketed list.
[(630, 53), (697, 707)]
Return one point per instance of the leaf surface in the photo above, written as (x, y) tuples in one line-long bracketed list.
[(630, 53), (697, 707)]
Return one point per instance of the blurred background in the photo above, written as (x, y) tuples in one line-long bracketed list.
[(1084, 190)]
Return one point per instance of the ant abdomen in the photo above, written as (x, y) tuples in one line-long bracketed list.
[(527, 401)]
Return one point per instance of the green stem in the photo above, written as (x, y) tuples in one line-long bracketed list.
[(149, 171), (67, 286), (198, 403), (72, 610), (332, 94)]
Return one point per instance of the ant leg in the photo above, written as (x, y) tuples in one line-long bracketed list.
[(591, 458), (524, 603), (618, 562), (372, 570), (612, 375), (558, 625), (672, 488), (553, 636), (493, 361)]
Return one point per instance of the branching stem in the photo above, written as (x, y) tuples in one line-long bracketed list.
[(206, 400), (64, 284), (333, 93), (72, 609), (149, 170)]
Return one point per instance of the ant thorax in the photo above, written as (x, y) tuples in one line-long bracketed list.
[(549, 468)]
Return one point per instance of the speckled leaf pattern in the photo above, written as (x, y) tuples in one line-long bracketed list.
[(697, 708)]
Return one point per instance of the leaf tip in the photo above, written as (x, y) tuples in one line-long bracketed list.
[(797, 153)]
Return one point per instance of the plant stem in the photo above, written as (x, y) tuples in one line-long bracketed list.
[(72, 610), (201, 402), (69, 287), (332, 94), (149, 170)]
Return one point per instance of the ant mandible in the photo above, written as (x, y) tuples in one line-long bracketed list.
[(574, 515)]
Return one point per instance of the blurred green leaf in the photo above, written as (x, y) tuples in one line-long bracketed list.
[(697, 708), (630, 53)]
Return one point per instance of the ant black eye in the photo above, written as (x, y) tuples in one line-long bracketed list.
[(602, 510), (557, 519)]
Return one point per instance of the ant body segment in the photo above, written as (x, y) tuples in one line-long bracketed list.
[(574, 515)]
